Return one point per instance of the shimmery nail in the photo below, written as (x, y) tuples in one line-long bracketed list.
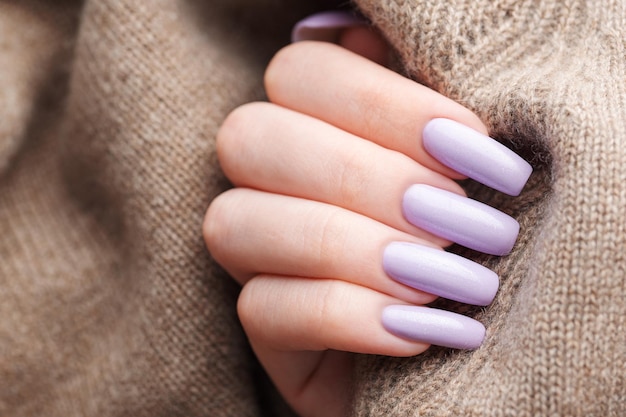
[(460, 219), (480, 157), (429, 325), (441, 273)]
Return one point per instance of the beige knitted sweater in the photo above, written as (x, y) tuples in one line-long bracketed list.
[(109, 302)]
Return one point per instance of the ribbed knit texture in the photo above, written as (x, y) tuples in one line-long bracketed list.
[(109, 302), (548, 80)]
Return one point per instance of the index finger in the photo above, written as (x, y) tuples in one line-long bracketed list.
[(321, 80)]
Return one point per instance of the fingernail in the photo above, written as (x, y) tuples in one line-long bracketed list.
[(430, 325), (478, 156), (441, 273), (325, 26), (462, 220)]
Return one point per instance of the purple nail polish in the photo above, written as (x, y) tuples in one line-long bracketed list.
[(441, 273), (430, 325), (478, 156), (462, 220), (325, 26)]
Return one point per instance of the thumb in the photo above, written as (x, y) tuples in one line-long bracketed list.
[(347, 29)]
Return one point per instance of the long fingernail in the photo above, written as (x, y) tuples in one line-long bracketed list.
[(429, 325), (460, 219), (325, 26), (441, 273), (478, 156)]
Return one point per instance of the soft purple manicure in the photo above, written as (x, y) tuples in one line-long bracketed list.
[(460, 219), (440, 273), (478, 156), (429, 325), (325, 26)]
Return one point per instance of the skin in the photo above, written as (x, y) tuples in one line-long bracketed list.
[(320, 172)]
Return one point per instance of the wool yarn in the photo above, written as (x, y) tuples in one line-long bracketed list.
[(110, 304)]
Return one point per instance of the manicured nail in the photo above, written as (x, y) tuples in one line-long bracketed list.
[(325, 26), (478, 156), (441, 273), (429, 325), (460, 219)]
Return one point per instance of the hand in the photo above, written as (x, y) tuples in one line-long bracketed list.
[(330, 231)]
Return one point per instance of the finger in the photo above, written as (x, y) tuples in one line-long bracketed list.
[(284, 316), (372, 102), (295, 314), (267, 147), (251, 232), (347, 29)]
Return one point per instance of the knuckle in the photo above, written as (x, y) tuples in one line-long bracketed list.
[(331, 231), (279, 63), (332, 297), (375, 103), (247, 305), (258, 309), (217, 223), (352, 177), (235, 131), (289, 60), (293, 315)]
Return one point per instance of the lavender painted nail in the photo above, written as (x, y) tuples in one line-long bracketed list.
[(460, 219), (440, 273), (325, 26), (429, 325), (478, 156)]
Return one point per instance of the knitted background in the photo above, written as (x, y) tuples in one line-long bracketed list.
[(109, 303), (547, 77)]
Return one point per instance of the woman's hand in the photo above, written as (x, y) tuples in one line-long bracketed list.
[(336, 226)]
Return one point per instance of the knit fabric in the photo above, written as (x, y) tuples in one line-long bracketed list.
[(110, 304), (547, 79)]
